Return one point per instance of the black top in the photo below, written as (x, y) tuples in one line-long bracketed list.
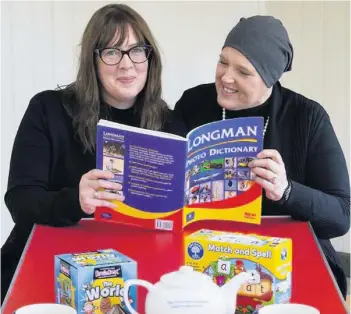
[(47, 164), (48, 161), (301, 131)]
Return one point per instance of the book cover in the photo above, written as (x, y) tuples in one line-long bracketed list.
[(169, 181), (219, 184), (150, 167)]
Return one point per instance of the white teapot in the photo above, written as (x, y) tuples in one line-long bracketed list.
[(190, 292)]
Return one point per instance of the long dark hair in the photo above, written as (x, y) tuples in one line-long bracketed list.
[(85, 91)]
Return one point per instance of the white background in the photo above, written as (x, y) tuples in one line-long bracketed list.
[(40, 48)]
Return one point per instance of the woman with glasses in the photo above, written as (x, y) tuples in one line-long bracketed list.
[(52, 179)]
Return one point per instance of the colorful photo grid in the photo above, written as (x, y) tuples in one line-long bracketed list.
[(217, 179)]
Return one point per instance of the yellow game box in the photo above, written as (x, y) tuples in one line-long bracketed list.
[(222, 255)]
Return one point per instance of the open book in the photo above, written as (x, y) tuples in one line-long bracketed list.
[(170, 181)]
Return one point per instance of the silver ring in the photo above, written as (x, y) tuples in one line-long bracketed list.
[(96, 194), (274, 178)]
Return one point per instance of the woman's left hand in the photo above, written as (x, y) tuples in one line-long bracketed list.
[(269, 172)]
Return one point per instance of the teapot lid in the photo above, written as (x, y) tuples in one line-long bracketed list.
[(186, 276)]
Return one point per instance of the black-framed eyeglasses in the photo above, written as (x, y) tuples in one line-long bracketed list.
[(113, 56)]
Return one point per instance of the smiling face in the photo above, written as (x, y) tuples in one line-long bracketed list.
[(238, 84), (121, 83)]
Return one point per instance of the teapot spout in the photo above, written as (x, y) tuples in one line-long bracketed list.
[(231, 288)]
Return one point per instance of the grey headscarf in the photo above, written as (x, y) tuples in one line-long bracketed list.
[(265, 42)]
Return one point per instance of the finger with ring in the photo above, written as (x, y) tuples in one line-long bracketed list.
[(274, 178), (96, 194)]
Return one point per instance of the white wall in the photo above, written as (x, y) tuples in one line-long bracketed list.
[(40, 49), (320, 34)]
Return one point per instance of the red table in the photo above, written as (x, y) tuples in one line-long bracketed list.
[(160, 252)]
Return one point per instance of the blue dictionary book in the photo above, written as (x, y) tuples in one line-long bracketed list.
[(169, 181)]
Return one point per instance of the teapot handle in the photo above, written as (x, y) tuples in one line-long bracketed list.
[(134, 282)]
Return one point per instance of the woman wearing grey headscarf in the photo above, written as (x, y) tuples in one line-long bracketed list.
[(302, 168)]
